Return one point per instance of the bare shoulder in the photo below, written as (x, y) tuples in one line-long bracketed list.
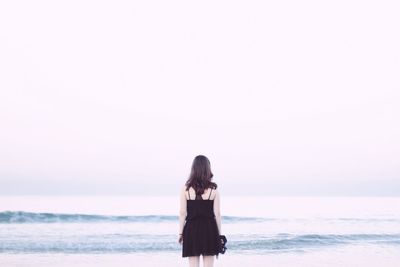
[(183, 189), (214, 193)]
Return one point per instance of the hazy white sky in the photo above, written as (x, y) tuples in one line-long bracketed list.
[(118, 97)]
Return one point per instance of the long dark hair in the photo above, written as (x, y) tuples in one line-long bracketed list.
[(200, 175)]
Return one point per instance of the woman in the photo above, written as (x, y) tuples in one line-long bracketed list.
[(200, 218)]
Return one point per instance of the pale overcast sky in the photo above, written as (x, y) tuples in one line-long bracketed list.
[(118, 97)]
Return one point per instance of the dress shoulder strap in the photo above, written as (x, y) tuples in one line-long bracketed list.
[(210, 193)]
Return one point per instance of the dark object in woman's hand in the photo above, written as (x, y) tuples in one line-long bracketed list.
[(222, 247)]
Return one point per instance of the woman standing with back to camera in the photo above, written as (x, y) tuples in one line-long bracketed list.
[(200, 218)]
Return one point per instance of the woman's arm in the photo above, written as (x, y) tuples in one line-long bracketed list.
[(182, 210), (217, 209)]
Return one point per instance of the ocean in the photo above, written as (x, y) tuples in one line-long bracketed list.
[(143, 231)]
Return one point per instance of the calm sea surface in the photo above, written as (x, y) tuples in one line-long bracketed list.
[(261, 231)]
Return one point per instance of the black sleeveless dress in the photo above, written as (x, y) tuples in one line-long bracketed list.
[(200, 232)]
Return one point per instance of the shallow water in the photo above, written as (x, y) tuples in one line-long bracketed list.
[(119, 231)]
